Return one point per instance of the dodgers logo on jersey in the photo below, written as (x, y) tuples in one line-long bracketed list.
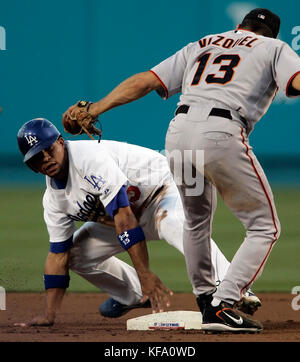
[(89, 210), (32, 140), (96, 182)]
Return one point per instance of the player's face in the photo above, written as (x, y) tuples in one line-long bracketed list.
[(52, 161)]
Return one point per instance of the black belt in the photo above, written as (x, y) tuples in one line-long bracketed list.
[(218, 112), (182, 109)]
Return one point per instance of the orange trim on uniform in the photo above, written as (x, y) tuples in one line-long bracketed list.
[(162, 83), (271, 207), (289, 82)]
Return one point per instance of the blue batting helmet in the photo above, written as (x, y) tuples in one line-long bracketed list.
[(35, 136)]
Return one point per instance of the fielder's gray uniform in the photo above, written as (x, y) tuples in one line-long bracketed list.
[(227, 82)]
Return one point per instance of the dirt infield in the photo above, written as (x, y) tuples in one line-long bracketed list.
[(79, 321)]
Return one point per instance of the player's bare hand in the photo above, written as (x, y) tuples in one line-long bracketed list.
[(37, 321), (156, 291)]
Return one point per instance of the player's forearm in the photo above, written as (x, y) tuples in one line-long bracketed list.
[(128, 91), (140, 259), (124, 221), (132, 238), (57, 263), (54, 298), (56, 266)]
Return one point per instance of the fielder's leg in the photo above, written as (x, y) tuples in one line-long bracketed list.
[(251, 200), (169, 222), (199, 210)]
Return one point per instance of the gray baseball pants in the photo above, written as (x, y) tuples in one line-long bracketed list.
[(230, 167)]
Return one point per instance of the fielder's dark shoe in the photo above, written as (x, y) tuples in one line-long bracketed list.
[(204, 300), (224, 318), (113, 309)]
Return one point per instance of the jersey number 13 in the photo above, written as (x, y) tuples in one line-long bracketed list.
[(228, 69)]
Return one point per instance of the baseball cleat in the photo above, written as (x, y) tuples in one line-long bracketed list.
[(204, 300), (224, 318), (114, 309), (249, 303)]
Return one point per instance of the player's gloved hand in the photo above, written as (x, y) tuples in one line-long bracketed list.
[(37, 321), (155, 290), (80, 118)]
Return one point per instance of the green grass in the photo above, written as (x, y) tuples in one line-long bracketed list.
[(281, 272), (24, 245)]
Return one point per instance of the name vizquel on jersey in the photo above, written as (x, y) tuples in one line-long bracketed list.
[(227, 43)]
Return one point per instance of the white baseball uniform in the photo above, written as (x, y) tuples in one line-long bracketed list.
[(97, 171), (228, 82)]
